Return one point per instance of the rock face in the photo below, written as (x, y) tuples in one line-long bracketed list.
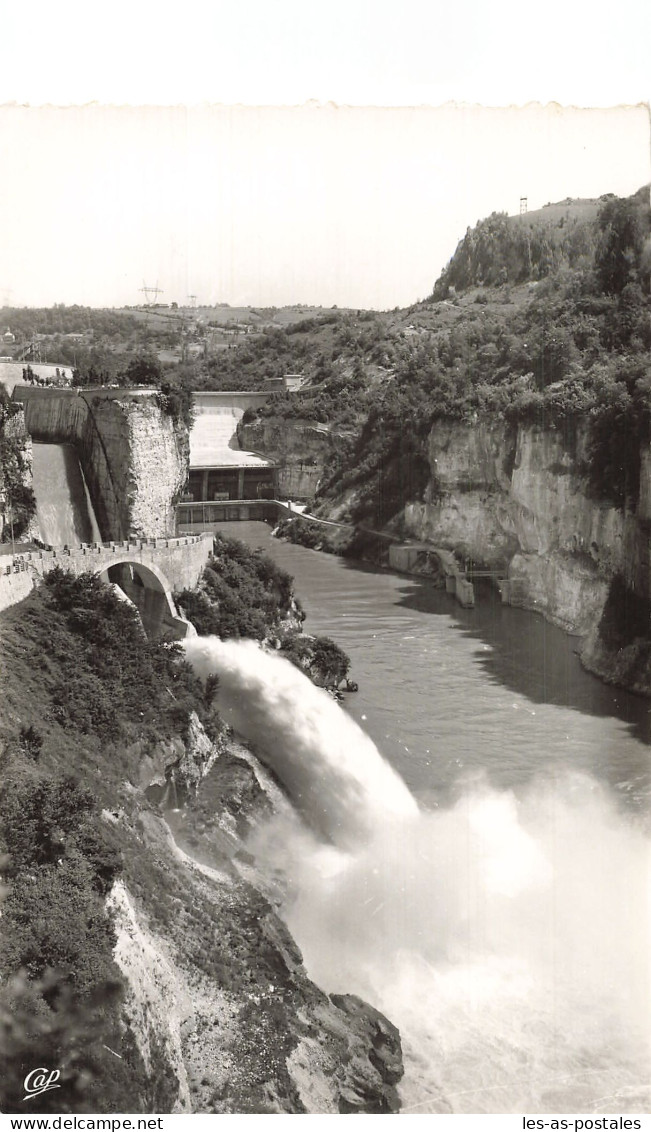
[(300, 448), (134, 456), (185, 762), (218, 999), (14, 432), (518, 499)]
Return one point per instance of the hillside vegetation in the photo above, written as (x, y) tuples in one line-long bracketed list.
[(544, 320), (19, 503), (92, 714), (84, 695), (243, 593)]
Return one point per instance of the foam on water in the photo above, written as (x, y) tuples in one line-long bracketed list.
[(507, 938)]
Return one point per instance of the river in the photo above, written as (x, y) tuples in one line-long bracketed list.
[(445, 691), (505, 927)]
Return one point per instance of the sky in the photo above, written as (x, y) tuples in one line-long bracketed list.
[(270, 153)]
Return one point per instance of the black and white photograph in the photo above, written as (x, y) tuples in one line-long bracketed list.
[(325, 564)]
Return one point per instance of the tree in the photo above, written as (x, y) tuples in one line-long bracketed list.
[(143, 370), (619, 249)]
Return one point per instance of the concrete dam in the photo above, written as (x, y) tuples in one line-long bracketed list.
[(225, 482), (142, 474)]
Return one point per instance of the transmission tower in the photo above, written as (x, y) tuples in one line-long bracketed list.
[(147, 291), (32, 351)]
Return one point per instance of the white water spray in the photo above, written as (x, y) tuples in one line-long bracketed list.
[(508, 939), (332, 770)]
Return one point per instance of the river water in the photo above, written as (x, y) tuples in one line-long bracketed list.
[(445, 691), (505, 929)]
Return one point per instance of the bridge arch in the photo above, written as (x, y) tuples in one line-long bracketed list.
[(147, 570), (150, 574), (149, 590)]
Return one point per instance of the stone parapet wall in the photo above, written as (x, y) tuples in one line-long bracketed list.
[(176, 562)]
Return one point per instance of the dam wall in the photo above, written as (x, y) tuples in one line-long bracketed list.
[(230, 400), (214, 440), (133, 455), (64, 510)]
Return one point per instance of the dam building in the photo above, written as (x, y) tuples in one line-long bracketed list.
[(225, 482)]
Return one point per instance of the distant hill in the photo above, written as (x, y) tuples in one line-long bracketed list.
[(543, 319), (514, 249)]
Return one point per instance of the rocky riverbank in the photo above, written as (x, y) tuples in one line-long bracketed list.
[(517, 500)]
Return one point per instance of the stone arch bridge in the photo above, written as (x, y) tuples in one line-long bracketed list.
[(146, 570)]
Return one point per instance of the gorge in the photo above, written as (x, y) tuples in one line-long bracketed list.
[(270, 903), (392, 922), (516, 499)]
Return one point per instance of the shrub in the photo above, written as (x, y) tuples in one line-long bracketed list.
[(324, 661), (103, 659), (243, 593), (177, 402)]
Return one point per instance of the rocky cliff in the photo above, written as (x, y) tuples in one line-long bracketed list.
[(301, 449), (218, 995), (235, 1019), (134, 455), (518, 499), (16, 499)]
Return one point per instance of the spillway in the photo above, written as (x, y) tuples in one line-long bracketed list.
[(64, 509), (213, 438)]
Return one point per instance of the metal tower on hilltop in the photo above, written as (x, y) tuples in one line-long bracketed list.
[(523, 206), (147, 291), (31, 351), (193, 301)]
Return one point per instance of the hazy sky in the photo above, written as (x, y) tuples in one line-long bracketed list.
[(314, 203)]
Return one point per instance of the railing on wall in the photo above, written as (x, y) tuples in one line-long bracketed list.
[(203, 515), (27, 559)]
